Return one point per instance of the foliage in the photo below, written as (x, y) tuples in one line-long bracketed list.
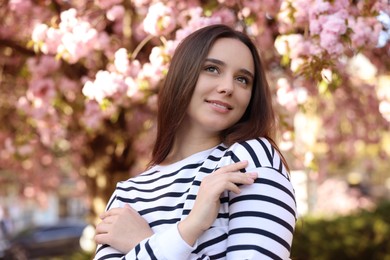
[(364, 235), (79, 81)]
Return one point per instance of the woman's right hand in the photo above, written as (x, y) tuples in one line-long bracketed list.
[(207, 202)]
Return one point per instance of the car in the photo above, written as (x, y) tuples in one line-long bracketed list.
[(59, 239), (3, 246)]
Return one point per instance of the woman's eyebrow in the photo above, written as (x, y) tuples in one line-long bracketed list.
[(247, 72), (219, 62)]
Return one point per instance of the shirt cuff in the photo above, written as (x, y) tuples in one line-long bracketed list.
[(171, 244)]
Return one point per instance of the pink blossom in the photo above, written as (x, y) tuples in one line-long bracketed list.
[(134, 68), (141, 3), (330, 42), (255, 7), (115, 13), (43, 66), (77, 43), (151, 74), (25, 150), (318, 7), (152, 102), (340, 5), (170, 47), (23, 104), (335, 197), (314, 49), (132, 86), (106, 85), (20, 6), (365, 32), (52, 42), (9, 146), (226, 15), (292, 45), (135, 89), (281, 45), (50, 131), (189, 14), (92, 117), (193, 19), (123, 65), (159, 20), (296, 64), (384, 109), (335, 23), (105, 4), (326, 75), (39, 32), (301, 92), (73, 40), (102, 42), (68, 20), (158, 56), (315, 27), (229, 3), (301, 11), (284, 17), (69, 88), (382, 5), (287, 142), (121, 61), (285, 94), (42, 89)]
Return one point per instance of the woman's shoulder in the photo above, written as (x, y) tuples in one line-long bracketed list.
[(257, 147), (259, 152)]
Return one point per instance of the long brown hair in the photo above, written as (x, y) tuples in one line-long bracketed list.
[(175, 95)]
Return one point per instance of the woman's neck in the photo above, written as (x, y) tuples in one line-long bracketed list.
[(189, 143)]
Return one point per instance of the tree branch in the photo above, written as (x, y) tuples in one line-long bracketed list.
[(13, 45)]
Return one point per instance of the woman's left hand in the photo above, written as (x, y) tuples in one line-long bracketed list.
[(122, 229)]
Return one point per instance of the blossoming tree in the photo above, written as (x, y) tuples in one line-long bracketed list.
[(79, 81)]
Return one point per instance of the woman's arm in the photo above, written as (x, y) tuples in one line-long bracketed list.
[(116, 238), (207, 203), (262, 217), (123, 228), (118, 222)]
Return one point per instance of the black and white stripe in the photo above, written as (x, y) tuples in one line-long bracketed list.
[(258, 223)]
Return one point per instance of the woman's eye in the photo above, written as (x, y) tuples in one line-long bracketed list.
[(211, 69), (243, 80)]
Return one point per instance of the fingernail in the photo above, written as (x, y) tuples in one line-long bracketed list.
[(253, 174)]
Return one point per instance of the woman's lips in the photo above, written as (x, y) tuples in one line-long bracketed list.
[(220, 104)]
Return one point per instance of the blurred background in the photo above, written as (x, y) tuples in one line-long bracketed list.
[(78, 85)]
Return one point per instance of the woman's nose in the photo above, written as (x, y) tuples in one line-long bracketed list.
[(226, 86)]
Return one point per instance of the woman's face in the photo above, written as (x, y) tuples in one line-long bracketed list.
[(223, 90)]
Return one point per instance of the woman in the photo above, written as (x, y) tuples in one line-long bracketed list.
[(217, 187)]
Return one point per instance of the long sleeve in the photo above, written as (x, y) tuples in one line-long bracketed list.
[(262, 217), (167, 244), (258, 223)]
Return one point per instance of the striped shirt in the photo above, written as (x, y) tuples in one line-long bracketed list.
[(258, 223)]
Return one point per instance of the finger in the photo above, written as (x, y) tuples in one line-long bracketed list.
[(252, 175), (102, 238), (233, 188), (111, 212), (239, 178), (234, 166), (128, 207), (236, 179), (109, 219), (102, 228)]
